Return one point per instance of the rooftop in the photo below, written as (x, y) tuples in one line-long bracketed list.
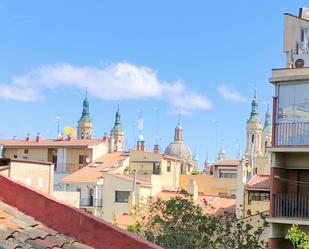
[(227, 162), (258, 182), (51, 143), (94, 171)]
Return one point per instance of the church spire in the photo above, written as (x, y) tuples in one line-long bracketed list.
[(267, 123), (86, 113), (254, 115), (117, 124)]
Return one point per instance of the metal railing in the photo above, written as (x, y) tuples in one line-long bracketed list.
[(292, 134), (91, 202), (290, 205)]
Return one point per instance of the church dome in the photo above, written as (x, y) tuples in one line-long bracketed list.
[(178, 148)]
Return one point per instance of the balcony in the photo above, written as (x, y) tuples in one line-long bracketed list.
[(290, 206), (91, 202), (292, 134)]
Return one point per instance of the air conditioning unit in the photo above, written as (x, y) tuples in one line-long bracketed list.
[(301, 60)]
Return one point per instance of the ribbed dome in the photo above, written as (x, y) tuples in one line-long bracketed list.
[(178, 149)]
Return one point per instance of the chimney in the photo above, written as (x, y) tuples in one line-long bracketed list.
[(105, 138), (143, 146), (304, 13), (14, 137), (193, 189), (137, 145), (70, 137), (156, 149), (60, 137), (28, 138), (38, 137)]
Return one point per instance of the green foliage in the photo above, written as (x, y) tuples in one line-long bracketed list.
[(298, 238), (179, 224), (195, 171)]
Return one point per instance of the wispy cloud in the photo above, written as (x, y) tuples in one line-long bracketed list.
[(230, 94), (116, 81)]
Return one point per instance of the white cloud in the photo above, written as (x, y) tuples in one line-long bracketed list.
[(113, 82), (231, 94)]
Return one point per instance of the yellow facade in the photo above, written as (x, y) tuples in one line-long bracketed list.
[(210, 185), (36, 175)]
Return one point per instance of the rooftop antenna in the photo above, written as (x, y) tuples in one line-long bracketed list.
[(57, 119)]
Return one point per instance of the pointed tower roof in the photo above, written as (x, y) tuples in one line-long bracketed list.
[(267, 124), (222, 153), (117, 124), (85, 114), (254, 116)]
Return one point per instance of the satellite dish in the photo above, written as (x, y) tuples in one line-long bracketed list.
[(69, 131)]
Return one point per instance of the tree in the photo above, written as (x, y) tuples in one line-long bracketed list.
[(298, 238), (179, 224)]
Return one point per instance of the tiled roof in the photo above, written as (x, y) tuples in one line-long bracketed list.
[(227, 162), (143, 183), (18, 230), (92, 173), (51, 143), (258, 182)]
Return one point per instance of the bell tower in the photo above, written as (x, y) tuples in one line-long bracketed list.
[(117, 137), (254, 131), (85, 125)]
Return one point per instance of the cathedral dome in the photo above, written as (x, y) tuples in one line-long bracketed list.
[(178, 148)]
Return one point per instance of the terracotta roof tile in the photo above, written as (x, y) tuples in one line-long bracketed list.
[(18, 230), (258, 182)]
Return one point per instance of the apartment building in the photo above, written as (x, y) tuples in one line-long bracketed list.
[(289, 180)]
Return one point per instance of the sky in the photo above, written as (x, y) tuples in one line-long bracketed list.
[(202, 59)]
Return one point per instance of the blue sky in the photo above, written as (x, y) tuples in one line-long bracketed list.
[(200, 58)]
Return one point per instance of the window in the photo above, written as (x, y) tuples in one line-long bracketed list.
[(82, 159), (293, 102), (156, 170), (211, 170), (168, 167), (28, 181), (41, 182), (227, 175), (122, 196), (26, 151), (258, 196)]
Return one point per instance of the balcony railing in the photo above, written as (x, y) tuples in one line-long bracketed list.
[(290, 205), (91, 202), (292, 134)]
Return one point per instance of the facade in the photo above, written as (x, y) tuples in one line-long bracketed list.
[(67, 155), (37, 174), (289, 179), (89, 181), (85, 125)]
